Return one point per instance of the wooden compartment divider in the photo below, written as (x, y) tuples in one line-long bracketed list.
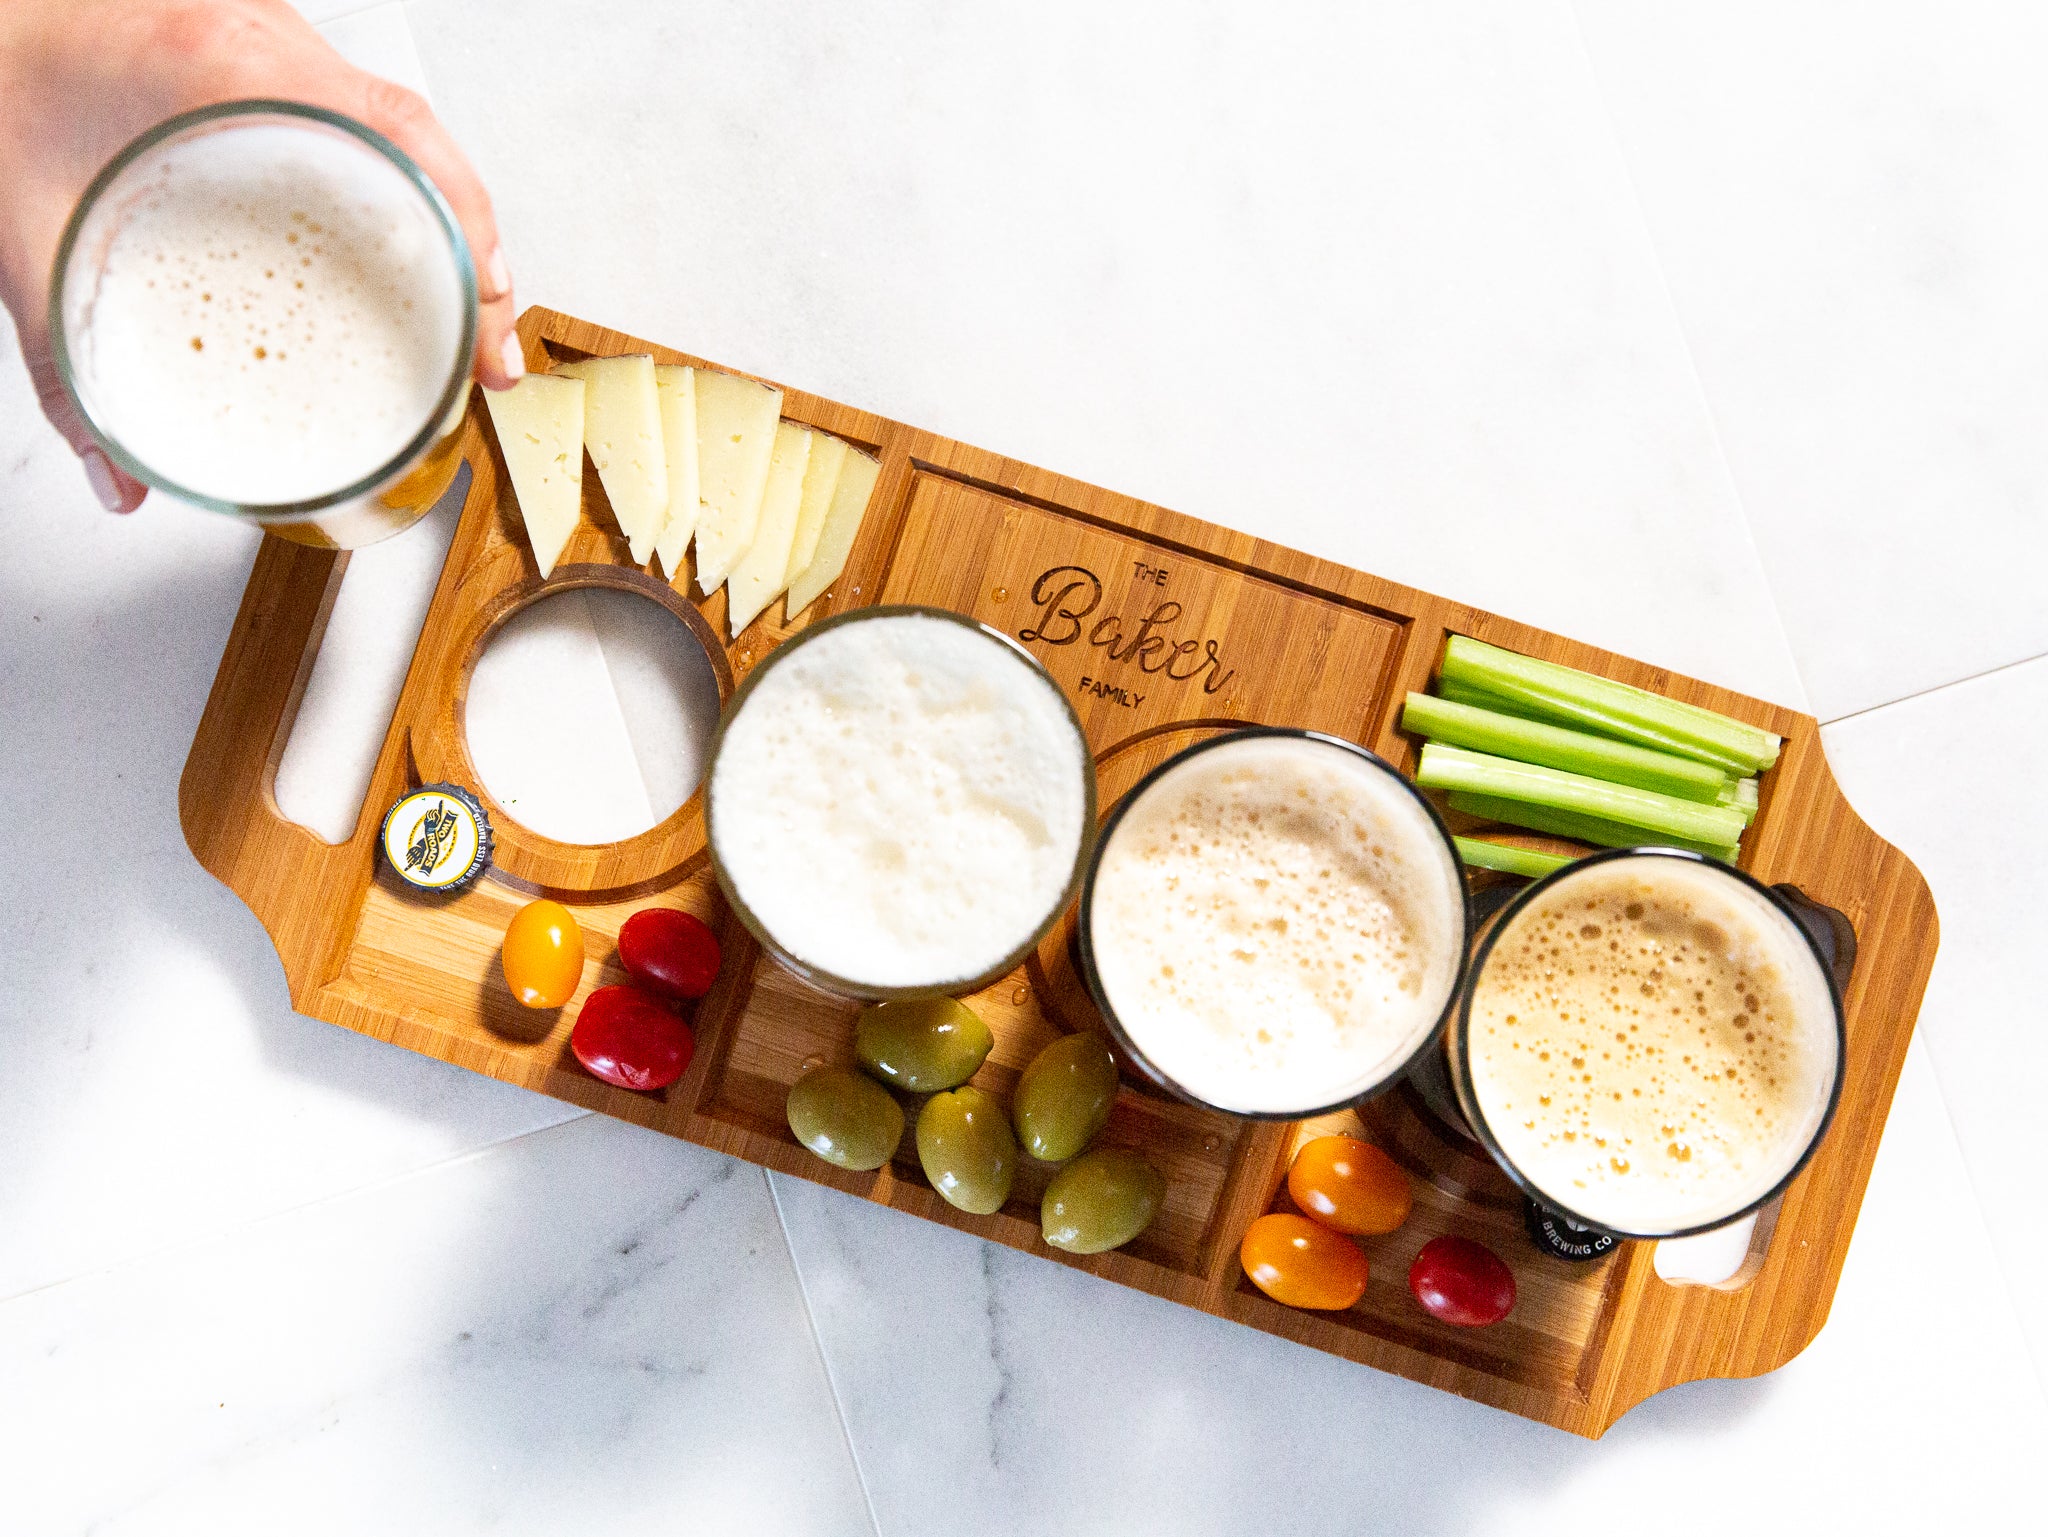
[(1161, 629)]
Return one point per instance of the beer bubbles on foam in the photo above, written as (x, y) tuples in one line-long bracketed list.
[(1277, 922), (275, 314), (900, 801), (1652, 1044)]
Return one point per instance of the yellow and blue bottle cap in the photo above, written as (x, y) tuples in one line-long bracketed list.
[(437, 838)]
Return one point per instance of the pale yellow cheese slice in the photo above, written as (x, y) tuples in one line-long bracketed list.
[(540, 430), (676, 390), (735, 439), (828, 456), (757, 580), (857, 477), (622, 430)]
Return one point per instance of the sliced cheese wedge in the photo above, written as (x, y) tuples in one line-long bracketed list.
[(676, 391), (857, 477), (622, 430), (758, 579), (540, 429), (821, 479), (735, 438)]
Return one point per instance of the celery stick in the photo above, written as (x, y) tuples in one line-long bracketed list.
[(1453, 768), (1481, 854), (1567, 824), (1572, 677), (1559, 747), (1460, 692), (1740, 794), (1480, 699), (1616, 709)]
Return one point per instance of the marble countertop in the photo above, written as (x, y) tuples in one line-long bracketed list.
[(1712, 336)]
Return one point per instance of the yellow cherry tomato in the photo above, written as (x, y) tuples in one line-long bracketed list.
[(1296, 1262), (1349, 1185), (543, 955)]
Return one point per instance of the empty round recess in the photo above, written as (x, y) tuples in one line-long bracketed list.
[(589, 715)]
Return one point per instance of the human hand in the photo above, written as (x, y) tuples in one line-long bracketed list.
[(80, 78)]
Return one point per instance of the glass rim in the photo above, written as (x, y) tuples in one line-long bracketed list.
[(256, 108), (1091, 974), (1461, 1062), (818, 976)]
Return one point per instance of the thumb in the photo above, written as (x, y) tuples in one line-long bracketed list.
[(117, 491)]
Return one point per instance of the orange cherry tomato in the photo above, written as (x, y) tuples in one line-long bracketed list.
[(1302, 1264), (1349, 1185), (543, 955)]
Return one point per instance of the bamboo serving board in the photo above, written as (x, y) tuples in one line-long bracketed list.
[(1161, 629)]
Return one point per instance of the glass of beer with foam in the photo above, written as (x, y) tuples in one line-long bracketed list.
[(1651, 1044), (1273, 923), (898, 803), (267, 310)]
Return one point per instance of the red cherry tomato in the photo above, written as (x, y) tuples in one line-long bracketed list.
[(631, 1038), (1462, 1282), (669, 952)]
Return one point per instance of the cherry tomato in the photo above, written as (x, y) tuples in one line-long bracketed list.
[(631, 1038), (1349, 1185), (669, 952), (543, 955), (1462, 1282), (1301, 1263)]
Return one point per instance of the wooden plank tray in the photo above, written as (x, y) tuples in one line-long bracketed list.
[(1162, 629)]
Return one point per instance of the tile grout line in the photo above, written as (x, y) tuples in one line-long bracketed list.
[(1699, 382), (356, 10), (803, 1288), (1935, 688), (249, 1224)]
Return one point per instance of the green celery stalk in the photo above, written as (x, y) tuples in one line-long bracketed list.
[(1559, 747), (1480, 699), (1615, 709), (1453, 768), (1741, 794), (1568, 824), (1484, 855)]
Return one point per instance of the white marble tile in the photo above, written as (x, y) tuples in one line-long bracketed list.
[(1058, 1402), (158, 1083), (373, 37), (1846, 197), (1954, 778), (594, 1329), (1371, 282)]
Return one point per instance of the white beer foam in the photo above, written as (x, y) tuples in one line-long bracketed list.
[(1652, 1044), (1275, 924), (901, 802), (276, 315)]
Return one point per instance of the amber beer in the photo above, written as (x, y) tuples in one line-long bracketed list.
[(267, 310)]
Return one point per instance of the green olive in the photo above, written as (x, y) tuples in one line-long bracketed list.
[(1063, 1098), (1102, 1200), (922, 1044), (844, 1118), (964, 1143)]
